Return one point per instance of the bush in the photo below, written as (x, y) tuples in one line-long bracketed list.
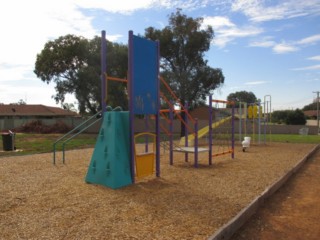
[(296, 118), (289, 117), (38, 126)]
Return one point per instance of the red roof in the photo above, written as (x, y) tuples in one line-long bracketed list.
[(33, 110), (310, 113)]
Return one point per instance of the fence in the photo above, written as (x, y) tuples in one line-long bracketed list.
[(6, 124)]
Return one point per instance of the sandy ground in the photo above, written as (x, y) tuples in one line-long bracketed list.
[(293, 212), (41, 201)]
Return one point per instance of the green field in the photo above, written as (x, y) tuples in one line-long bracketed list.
[(41, 143), (287, 138)]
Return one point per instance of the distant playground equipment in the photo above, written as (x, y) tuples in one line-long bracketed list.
[(219, 132), (258, 115), (117, 161), (267, 115), (246, 143), (241, 114), (222, 136)]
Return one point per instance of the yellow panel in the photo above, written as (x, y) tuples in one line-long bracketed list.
[(250, 112), (144, 164), (255, 111)]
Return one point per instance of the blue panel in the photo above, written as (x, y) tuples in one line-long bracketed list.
[(145, 76)]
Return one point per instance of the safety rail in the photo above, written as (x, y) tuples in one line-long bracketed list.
[(76, 134), (176, 99), (178, 115)]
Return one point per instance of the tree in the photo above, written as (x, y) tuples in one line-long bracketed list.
[(242, 96), (279, 116), (311, 106), (20, 102), (69, 107), (73, 63), (183, 44), (289, 117), (296, 117)]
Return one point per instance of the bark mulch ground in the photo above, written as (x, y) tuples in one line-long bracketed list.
[(41, 201)]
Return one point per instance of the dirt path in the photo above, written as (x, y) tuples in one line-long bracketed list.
[(291, 213)]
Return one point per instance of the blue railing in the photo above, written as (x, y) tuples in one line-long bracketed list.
[(75, 133)]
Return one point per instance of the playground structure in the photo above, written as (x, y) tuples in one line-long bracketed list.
[(258, 115), (116, 161), (189, 144)]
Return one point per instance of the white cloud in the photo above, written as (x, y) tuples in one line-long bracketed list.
[(129, 6), (316, 58), (113, 38), (124, 6), (313, 67), (14, 72), (218, 22), (259, 11), (186, 5), (226, 31), (31, 93), (29, 30), (256, 83), (263, 42), (25, 27), (284, 48), (310, 40)]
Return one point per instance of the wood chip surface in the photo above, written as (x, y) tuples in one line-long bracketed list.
[(39, 200)]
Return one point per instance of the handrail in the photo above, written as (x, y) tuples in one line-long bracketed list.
[(70, 132), (142, 134), (180, 118), (73, 136), (165, 117), (176, 98), (116, 79)]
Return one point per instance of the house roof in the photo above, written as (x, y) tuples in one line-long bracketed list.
[(200, 113), (310, 113), (33, 110)]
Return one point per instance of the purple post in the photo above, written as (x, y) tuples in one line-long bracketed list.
[(131, 114), (232, 131), (210, 129), (196, 143), (171, 136), (186, 133), (157, 145), (158, 115), (147, 130), (103, 71)]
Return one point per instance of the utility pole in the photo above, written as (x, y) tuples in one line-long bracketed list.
[(317, 92)]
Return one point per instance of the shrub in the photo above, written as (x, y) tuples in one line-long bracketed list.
[(38, 126)]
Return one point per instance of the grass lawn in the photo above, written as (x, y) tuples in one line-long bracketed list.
[(293, 138), (41, 143)]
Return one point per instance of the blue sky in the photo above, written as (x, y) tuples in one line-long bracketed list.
[(268, 47)]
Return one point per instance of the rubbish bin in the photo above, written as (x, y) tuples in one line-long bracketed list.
[(8, 141)]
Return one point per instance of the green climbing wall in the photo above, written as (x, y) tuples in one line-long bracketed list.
[(110, 162)]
